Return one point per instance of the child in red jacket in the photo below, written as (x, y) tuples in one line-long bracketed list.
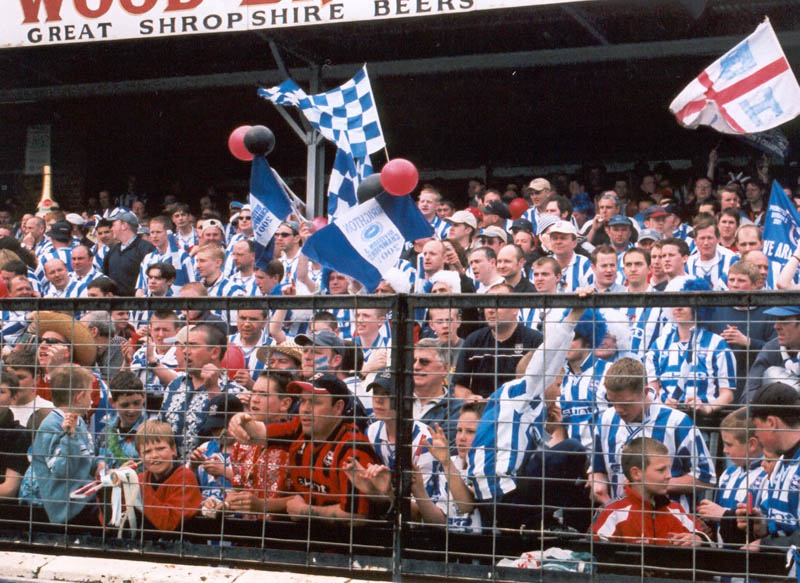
[(645, 513), (170, 494)]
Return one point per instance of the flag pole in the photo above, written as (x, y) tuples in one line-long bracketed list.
[(294, 200), (386, 151)]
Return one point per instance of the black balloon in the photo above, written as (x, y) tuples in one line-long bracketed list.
[(259, 140), (369, 188)]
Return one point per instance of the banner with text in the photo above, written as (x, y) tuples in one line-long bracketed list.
[(44, 22)]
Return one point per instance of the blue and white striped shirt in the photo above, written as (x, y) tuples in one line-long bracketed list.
[(421, 456), (575, 275), (440, 227), (583, 398), (178, 258), (782, 505), (73, 289), (513, 420), (139, 367), (700, 367), (736, 482), (715, 271), (646, 324), (14, 324), (671, 427)]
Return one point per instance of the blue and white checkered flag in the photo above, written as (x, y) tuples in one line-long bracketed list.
[(347, 112), (346, 174)]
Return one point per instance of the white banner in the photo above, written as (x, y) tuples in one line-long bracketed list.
[(44, 22), (37, 149)]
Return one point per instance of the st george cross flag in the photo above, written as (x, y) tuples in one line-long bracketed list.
[(366, 240), (781, 226), (751, 88), (269, 206), (349, 110)]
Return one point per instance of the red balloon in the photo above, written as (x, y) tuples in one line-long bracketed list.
[(233, 361), (318, 222), (518, 206), (399, 177), (236, 144)]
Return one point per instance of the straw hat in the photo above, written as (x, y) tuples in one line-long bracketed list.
[(84, 349), (288, 347)]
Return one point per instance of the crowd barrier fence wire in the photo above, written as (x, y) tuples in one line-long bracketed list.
[(394, 542)]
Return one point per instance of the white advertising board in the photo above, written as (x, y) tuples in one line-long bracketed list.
[(45, 22)]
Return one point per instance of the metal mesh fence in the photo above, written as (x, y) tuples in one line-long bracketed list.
[(467, 437)]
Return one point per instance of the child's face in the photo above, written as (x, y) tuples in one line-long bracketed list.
[(129, 408), (82, 401), (382, 407), (465, 432), (734, 449), (656, 475), (5, 398), (158, 457)]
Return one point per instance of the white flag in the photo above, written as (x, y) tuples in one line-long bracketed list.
[(751, 88)]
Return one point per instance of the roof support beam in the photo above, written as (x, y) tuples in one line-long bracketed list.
[(519, 60)]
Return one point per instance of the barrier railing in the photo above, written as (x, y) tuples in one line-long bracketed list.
[(393, 541)]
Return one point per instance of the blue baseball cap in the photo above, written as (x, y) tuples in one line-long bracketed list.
[(620, 220), (783, 311)]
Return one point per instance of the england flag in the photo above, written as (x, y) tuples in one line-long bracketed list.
[(751, 88), (366, 240)]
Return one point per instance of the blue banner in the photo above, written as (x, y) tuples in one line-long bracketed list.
[(781, 226)]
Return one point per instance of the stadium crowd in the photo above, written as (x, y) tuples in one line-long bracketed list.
[(584, 420)]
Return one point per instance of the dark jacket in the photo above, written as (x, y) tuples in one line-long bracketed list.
[(770, 355), (123, 266)]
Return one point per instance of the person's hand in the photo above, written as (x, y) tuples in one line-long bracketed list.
[(296, 507), (101, 468), (244, 378), (734, 336), (713, 156), (598, 491), (237, 501), (55, 354), (70, 423), (289, 290), (710, 510), (375, 362), (214, 467), (684, 539), (238, 428), (305, 230), (439, 445), (209, 374), (670, 402), (745, 515), (373, 480), (752, 545), (197, 456), (585, 292), (127, 350)]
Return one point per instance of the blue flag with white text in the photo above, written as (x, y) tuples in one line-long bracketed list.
[(367, 240), (781, 226), (269, 207)]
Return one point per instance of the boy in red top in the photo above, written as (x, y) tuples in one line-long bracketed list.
[(317, 459), (170, 494), (645, 513)]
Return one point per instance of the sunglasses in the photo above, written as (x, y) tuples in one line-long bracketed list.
[(284, 235), (51, 341), (423, 361)]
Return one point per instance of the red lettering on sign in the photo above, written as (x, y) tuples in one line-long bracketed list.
[(129, 6), (182, 5), (30, 8), (258, 2), (83, 8)]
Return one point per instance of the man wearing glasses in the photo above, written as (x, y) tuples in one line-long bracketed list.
[(433, 401), (287, 244)]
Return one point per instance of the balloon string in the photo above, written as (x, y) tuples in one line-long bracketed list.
[(386, 151)]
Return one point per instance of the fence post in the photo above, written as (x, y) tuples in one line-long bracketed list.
[(402, 360)]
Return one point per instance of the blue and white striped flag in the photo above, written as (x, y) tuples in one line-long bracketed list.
[(348, 110), (269, 206), (348, 117), (366, 241)]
